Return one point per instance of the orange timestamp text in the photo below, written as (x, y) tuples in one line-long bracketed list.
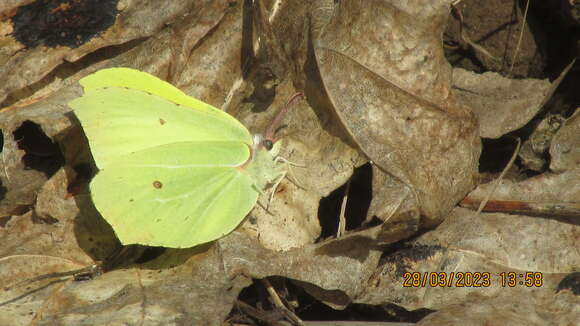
[(471, 279)]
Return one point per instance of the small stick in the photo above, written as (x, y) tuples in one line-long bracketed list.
[(525, 207), (521, 37), (62, 276), (342, 217), (498, 180), (280, 305), (257, 314)]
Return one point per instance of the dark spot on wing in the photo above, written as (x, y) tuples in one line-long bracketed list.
[(161, 121), (157, 184)]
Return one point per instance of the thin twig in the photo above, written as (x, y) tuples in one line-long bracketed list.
[(342, 216), (465, 38), (498, 180), (525, 207), (520, 38), (63, 276)]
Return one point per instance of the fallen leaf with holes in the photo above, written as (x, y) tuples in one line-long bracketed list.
[(393, 95)]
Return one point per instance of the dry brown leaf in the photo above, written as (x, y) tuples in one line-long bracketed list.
[(195, 292), (50, 227), (502, 104), (16, 176), (19, 302), (434, 155), (392, 93)]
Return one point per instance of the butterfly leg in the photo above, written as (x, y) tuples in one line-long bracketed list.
[(284, 160), (291, 176), (275, 187)]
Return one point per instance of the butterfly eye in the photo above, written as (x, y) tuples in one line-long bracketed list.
[(268, 144)]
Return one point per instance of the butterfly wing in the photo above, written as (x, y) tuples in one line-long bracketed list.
[(139, 80), (169, 171), (177, 195), (118, 121)]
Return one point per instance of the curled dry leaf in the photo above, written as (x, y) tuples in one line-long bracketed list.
[(502, 104), (394, 199), (333, 272), (393, 95)]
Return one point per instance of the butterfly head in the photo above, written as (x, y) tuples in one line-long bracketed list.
[(269, 141), (266, 143)]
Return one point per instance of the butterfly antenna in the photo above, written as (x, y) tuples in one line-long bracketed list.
[(276, 123)]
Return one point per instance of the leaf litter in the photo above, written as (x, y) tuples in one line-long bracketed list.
[(394, 101)]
